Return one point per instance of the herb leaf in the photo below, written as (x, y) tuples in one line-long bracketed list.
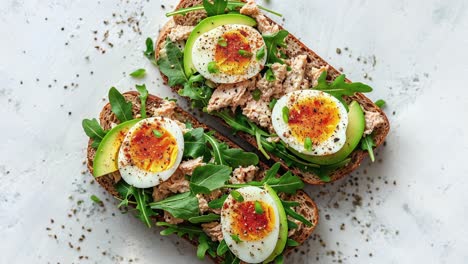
[(308, 144), (273, 42), (285, 111), (197, 91), (260, 53), (339, 87), (144, 211), (288, 183), (292, 243), (120, 107), (172, 65), (236, 238), (222, 248), (245, 54), (184, 205), (149, 53), (194, 143), (208, 178), (222, 42), (233, 157), (380, 103), (125, 191), (269, 75), (95, 199), (217, 8), (157, 133), (143, 97), (212, 67), (279, 259), (204, 218), (218, 203), (203, 246), (256, 94), (367, 143), (140, 73), (181, 230), (258, 208), (93, 129)]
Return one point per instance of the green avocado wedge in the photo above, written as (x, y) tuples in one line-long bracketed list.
[(283, 225), (105, 161), (206, 25), (354, 132)]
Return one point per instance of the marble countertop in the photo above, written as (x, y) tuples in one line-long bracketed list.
[(59, 59)]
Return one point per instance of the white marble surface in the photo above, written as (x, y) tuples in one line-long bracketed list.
[(409, 207)]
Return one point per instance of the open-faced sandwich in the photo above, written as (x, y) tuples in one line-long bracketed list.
[(176, 173), (235, 63)]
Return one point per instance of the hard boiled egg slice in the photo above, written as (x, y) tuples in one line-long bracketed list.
[(311, 122), (229, 54), (151, 152), (249, 234)]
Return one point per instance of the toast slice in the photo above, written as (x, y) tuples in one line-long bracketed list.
[(295, 48), (107, 119)]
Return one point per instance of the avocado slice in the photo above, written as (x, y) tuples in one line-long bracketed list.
[(354, 132), (283, 225), (206, 25), (105, 161)]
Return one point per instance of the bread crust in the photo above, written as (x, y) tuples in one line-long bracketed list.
[(295, 47), (307, 206)]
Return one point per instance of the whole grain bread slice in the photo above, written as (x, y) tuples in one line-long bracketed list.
[(107, 119), (295, 47)]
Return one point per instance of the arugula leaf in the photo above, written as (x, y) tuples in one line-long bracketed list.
[(181, 230), (208, 178), (292, 225), (222, 248), (273, 42), (143, 97), (279, 259), (256, 94), (140, 73), (197, 91), (194, 143), (119, 106), (232, 5), (204, 218), (236, 238), (203, 246), (217, 203), (217, 8), (269, 75), (125, 191), (260, 53), (367, 143), (339, 87), (237, 196), (171, 64), (297, 216), (380, 103), (149, 53), (183, 206), (272, 103), (144, 211), (93, 129), (216, 148), (237, 157), (288, 183), (95, 199), (292, 243), (271, 172)]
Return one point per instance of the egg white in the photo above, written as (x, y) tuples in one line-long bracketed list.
[(331, 145), (138, 177), (250, 251), (203, 52)]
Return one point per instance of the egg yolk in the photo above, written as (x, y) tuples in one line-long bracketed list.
[(152, 148), (250, 225), (314, 118), (232, 54)]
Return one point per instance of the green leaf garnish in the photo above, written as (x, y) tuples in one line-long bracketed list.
[(95, 199), (143, 98), (269, 75), (367, 143), (181, 230), (213, 67), (258, 208), (260, 53), (93, 129), (292, 243), (285, 112), (140, 73), (208, 178), (237, 196), (236, 238), (217, 203), (380, 103), (273, 42), (183, 206), (292, 225), (172, 65), (119, 106), (202, 247), (222, 248), (279, 259), (256, 94), (194, 143), (204, 218), (272, 104), (297, 216), (232, 5), (222, 42), (245, 54), (308, 144), (218, 7), (157, 133), (339, 87), (149, 52)]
